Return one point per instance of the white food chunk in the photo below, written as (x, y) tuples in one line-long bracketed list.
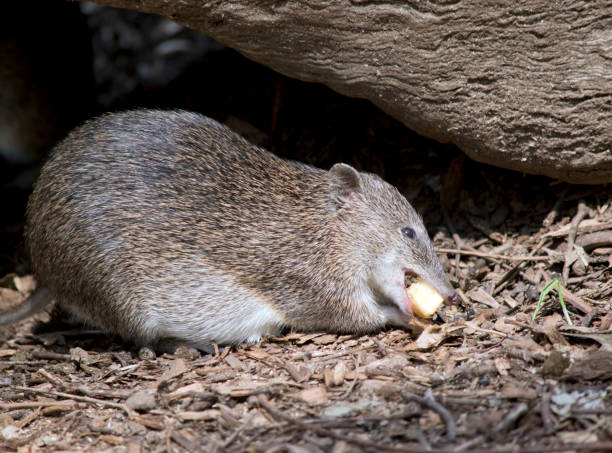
[(425, 299)]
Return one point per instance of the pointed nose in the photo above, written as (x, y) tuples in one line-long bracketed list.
[(452, 299)]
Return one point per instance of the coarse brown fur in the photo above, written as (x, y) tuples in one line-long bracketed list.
[(154, 224)]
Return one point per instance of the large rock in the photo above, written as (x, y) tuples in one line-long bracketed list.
[(522, 85)]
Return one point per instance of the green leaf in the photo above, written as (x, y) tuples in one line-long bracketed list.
[(548, 288)]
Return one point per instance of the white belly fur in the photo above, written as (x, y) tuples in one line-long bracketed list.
[(215, 309)]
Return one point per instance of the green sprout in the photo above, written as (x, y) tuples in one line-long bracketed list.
[(548, 288)]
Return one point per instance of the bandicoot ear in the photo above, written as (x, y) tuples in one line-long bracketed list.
[(345, 182)]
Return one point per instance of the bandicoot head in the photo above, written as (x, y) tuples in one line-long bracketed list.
[(394, 244)]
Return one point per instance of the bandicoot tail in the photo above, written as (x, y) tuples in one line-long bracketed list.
[(35, 303)]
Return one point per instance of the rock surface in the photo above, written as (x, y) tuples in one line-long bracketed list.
[(523, 86)]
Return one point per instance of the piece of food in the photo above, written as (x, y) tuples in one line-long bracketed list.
[(425, 299)]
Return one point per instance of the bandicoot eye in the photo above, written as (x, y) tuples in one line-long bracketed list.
[(409, 232)]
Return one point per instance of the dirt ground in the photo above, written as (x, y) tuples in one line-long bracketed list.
[(483, 375)]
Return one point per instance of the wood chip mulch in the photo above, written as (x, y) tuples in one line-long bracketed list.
[(482, 376)]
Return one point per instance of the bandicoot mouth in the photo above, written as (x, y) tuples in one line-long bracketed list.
[(410, 277), (424, 299)]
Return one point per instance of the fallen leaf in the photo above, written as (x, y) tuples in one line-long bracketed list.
[(25, 284), (549, 328), (416, 325), (501, 326), (304, 338), (235, 362), (209, 414), (299, 373), (257, 354), (509, 300), (430, 337), (502, 366), (480, 295), (606, 321), (391, 365), (80, 356), (515, 391), (385, 389), (314, 395), (142, 400), (483, 422), (111, 439), (344, 408), (555, 364), (177, 367), (524, 347), (150, 421), (187, 390), (325, 339), (338, 373)]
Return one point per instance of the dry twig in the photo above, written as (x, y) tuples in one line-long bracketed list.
[(493, 256), (69, 396), (429, 402), (546, 415), (570, 256)]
